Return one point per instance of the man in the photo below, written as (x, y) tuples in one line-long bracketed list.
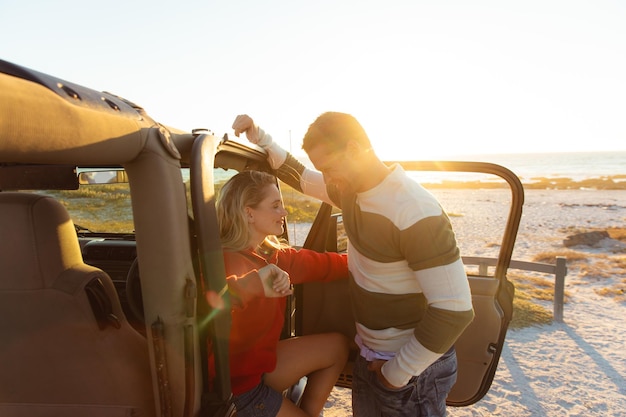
[(409, 291)]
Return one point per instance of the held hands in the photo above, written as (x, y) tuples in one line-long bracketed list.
[(275, 281)]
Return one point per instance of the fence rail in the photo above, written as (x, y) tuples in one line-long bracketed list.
[(559, 270)]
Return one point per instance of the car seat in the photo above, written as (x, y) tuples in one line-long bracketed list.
[(66, 348)]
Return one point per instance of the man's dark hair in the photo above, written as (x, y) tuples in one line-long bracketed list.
[(334, 130)]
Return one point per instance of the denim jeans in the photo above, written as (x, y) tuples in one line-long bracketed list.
[(261, 401), (424, 395)]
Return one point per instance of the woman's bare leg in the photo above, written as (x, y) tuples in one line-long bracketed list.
[(320, 357), (289, 409)]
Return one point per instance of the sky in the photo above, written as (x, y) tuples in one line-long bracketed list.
[(426, 78)]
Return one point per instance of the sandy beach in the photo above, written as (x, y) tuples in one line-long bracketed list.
[(574, 368)]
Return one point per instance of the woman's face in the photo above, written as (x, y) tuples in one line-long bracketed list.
[(268, 217)]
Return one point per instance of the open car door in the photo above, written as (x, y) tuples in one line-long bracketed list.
[(477, 197)]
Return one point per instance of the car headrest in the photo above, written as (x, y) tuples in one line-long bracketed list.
[(37, 241)]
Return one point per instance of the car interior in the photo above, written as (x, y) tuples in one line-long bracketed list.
[(113, 289), (61, 318)]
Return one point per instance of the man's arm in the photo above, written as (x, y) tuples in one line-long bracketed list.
[(288, 168), (449, 312)]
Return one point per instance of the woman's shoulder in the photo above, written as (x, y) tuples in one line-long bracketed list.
[(232, 254)]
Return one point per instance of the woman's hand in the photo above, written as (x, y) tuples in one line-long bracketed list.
[(276, 282)]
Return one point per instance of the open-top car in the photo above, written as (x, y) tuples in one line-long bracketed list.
[(112, 286)]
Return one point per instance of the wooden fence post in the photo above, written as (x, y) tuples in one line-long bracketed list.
[(559, 288)]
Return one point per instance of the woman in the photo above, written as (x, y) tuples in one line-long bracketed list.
[(260, 270)]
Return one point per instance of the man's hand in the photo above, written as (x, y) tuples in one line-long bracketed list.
[(275, 154), (244, 124), (276, 282), (376, 366)]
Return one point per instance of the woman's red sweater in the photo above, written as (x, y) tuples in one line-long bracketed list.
[(257, 321)]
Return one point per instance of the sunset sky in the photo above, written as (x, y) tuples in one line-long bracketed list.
[(432, 78)]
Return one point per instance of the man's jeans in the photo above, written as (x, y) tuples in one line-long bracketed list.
[(424, 395)]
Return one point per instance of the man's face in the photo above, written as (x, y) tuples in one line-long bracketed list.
[(337, 167)]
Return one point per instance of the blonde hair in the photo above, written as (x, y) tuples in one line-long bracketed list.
[(245, 189)]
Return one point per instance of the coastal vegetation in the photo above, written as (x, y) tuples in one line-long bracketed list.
[(99, 207), (588, 268)]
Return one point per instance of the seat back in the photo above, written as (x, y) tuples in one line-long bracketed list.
[(65, 344)]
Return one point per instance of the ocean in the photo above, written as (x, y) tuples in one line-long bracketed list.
[(574, 165), (530, 167)]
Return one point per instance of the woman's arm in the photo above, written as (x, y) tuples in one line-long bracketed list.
[(306, 265), (269, 281)]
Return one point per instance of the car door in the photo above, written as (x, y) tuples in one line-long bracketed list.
[(469, 186)]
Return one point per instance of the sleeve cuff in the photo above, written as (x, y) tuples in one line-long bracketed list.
[(412, 359), (246, 287), (394, 374), (275, 155)]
